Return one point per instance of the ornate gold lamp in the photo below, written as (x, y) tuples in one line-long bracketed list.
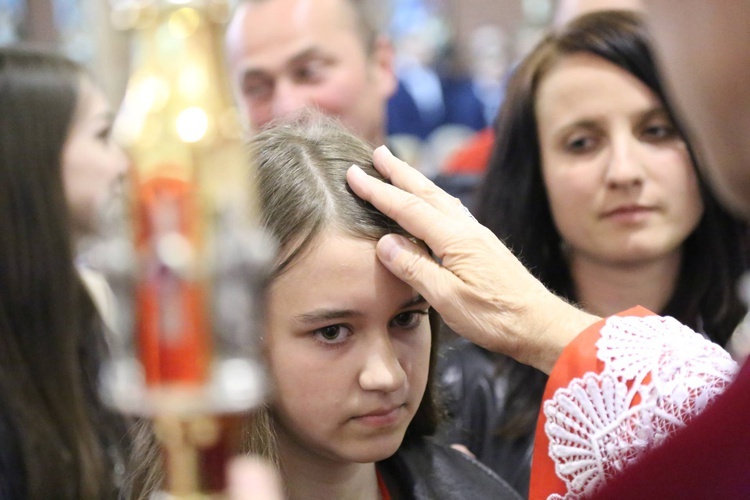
[(185, 256)]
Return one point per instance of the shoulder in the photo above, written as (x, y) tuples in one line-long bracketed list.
[(462, 362), (427, 469), (467, 380), (470, 379)]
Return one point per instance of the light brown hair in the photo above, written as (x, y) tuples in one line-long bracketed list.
[(301, 178)]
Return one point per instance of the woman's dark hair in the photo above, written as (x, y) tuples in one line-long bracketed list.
[(513, 201), (50, 335)]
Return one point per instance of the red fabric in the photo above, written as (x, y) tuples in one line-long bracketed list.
[(384, 495), (578, 358), (710, 458), (471, 159)]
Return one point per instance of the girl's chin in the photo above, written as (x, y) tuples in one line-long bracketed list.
[(373, 449)]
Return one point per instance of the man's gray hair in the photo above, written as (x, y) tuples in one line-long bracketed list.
[(372, 17)]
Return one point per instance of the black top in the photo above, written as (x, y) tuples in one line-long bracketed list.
[(475, 391), (422, 469), (12, 477)]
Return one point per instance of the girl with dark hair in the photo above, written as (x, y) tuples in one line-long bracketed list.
[(594, 186), (57, 166)]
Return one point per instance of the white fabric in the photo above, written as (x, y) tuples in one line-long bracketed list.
[(101, 294), (657, 375)]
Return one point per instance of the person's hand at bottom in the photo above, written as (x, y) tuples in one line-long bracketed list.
[(251, 478)]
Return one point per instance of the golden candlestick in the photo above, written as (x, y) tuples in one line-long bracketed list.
[(188, 265)]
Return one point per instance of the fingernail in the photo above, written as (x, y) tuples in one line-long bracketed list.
[(356, 171), (391, 246), (384, 148)]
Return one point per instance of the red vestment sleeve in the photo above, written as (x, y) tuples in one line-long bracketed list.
[(577, 359)]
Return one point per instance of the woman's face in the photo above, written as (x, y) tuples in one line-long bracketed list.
[(621, 186), (92, 164), (349, 348)]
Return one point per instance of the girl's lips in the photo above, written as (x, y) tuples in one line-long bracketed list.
[(381, 417)]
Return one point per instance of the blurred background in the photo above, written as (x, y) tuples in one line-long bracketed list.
[(452, 60)]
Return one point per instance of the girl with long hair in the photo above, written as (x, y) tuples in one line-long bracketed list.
[(58, 166)]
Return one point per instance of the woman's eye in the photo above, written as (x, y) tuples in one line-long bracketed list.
[(658, 132), (409, 319), (332, 334), (580, 144)]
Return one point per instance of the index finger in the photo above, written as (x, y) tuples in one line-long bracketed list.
[(411, 180), (415, 215)]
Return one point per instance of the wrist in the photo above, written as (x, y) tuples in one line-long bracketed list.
[(557, 324)]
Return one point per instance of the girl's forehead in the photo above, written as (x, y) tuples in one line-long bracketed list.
[(305, 244), (340, 278), (335, 261)]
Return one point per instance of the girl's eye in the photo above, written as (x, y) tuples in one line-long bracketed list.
[(332, 334), (104, 133), (408, 320)]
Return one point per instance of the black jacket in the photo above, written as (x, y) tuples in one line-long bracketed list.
[(475, 391), (422, 469), (12, 476)]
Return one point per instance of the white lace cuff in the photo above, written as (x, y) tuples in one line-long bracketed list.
[(657, 375)]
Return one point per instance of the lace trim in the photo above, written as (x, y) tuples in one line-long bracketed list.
[(658, 374)]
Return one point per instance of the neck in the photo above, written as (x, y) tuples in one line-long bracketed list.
[(311, 476), (605, 289)]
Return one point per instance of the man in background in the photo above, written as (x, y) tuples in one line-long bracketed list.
[(287, 55)]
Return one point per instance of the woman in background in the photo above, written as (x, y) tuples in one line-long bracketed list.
[(594, 187), (58, 166)]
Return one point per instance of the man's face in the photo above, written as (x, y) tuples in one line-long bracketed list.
[(702, 48), (287, 55)]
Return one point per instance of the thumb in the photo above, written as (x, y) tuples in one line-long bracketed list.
[(413, 265)]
